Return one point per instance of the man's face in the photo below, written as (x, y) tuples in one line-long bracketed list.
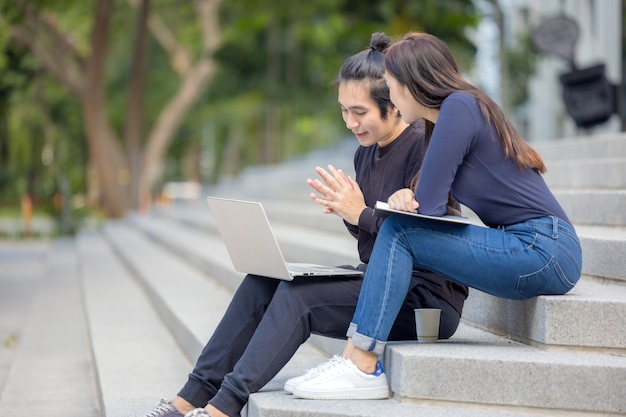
[(362, 115)]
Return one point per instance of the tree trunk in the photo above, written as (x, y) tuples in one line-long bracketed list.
[(170, 119), (110, 166), (134, 110), (104, 149)]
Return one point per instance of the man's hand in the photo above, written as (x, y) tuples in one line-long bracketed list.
[(339, 194), (403, 200)]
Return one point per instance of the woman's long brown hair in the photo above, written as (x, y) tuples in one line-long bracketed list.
[(424, 64)]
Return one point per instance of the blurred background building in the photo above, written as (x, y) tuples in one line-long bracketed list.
[(600, 41)]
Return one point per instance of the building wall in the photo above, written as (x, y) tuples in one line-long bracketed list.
[(599, 40)]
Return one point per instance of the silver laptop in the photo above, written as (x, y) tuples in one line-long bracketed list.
[(252, 246)]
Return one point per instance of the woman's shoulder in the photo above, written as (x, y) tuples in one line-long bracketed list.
[(462, 105), (461, 97)]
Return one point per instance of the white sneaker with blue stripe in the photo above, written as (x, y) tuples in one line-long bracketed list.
[(342, 380)]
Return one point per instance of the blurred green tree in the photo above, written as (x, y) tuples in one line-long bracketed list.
[(220, 85), (272, 95), (127, 143)]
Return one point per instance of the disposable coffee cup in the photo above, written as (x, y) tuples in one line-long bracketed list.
[(427, 324)]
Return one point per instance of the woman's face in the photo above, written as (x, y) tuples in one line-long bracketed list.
[(401, 97), (363, 118)]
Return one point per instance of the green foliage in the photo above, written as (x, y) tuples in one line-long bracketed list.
[(521, 63), (271, 98), (278, 60), (41, 138)]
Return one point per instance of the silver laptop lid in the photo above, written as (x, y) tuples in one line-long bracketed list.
[(248, 237)]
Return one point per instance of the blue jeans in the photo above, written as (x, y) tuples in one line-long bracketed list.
[(540, 256)]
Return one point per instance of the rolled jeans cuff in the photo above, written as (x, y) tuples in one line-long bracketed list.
[(351, 330), (365, 342)]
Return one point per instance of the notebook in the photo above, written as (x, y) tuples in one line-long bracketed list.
[(252, 245), (382, 209)]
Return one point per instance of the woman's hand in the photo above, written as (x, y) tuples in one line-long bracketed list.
[(340, 194), (403, 200)]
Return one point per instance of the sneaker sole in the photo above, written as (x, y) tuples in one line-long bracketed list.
[(381, 393)]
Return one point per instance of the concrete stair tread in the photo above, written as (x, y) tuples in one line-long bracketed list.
[(189, 302), (586, 173), (550, 321), (137, 359), (588, 160), (297, 243), (602, 245), (598, 146), (479, 345), (472, 343), (468, 353), (595, 192), (52, 360), (569, 320), (612, 233), (588, 289), (23, 267), (522, 375), (305, 244), (279, 404), (601, 207), (303, 213), (604, 250), (200, 248)]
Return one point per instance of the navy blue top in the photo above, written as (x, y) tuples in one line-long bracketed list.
[(466, 158)]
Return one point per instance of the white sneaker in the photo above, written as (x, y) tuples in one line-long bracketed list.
[(344, 381), (292, 383)]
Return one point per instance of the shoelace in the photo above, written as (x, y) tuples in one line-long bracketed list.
[(159, 409), (337, 367), (198, 412), (313, 372)]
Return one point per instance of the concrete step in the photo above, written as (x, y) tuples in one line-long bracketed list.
[(479, 348), (477, 367), (137, 360), (605, 173), (287, 180), (596, 146), (172, 284), (594, 207), (594, 162), (272, 401), (52, 361), (188, 300), (590, 316), (604, 252), (544, 320), (476, 373), (330, 244), (516, 379), (22, 268)]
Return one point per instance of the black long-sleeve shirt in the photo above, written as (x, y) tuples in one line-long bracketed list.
[(382, 171)]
